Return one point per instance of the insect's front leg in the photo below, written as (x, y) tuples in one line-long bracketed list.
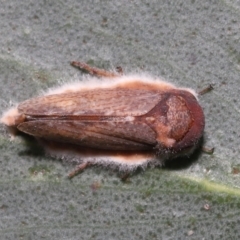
[(96, 71), (202, 92), (206, 90)]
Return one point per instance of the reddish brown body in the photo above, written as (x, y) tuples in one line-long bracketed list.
[(130, 115)]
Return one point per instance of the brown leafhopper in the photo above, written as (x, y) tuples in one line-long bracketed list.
[(121, 120)]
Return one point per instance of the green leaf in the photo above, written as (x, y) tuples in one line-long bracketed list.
[(189, 43)]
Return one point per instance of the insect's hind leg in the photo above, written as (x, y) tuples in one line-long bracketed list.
[(79, 169), (96, 71)]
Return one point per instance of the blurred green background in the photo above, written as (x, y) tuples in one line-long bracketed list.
[(191, 44)]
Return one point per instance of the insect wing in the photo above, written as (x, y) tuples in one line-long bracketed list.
[(99, 102), (111, 135)]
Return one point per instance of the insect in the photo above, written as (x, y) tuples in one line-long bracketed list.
[(118, 120)]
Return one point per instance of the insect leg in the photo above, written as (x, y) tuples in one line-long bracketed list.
[(206, 90), (95, 71), (208, 150), (202, 92), (79, 169), (125, 177)]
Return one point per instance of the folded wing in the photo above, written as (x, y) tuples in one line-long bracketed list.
[(130, 136), (99, 102)]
